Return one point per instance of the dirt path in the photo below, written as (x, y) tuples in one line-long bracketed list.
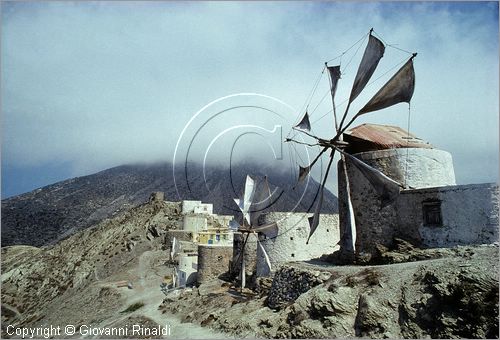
[(146, 289)]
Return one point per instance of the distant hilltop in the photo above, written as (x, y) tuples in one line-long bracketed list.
[(46, 215)]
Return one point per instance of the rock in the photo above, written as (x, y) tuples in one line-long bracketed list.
[(214, 286), (130, 245), (157, 196), (172, 296), (372, 318), (288, 284), (324, 276), (153, 231)]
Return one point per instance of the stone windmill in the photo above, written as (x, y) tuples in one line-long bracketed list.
[(399, 88), (257, 196)]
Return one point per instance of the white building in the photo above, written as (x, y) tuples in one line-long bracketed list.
[(195, 223), (432, 210), (187, 269), (197, 207), (290, 242)]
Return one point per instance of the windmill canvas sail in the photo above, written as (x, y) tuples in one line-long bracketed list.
[(334, 72), (303, 172), (270, 231), (386, 188), (248, 195), (348, 238), (268, 262), (262, 199), (304, 123), (398, 89), (314, 219), (373, 53)]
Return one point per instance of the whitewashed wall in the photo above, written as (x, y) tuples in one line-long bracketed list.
[(375, 224), (188, 206), (290, 244), (469, 215), (204, 208), (187, 270), (195, 223), (196, 207), (420, 168)]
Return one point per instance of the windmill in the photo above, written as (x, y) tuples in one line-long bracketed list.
[(257, 197), (399, 88)]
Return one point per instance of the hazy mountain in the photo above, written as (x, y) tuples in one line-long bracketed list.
[(56, 211)]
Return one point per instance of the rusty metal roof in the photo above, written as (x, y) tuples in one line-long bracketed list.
[(379, 137)]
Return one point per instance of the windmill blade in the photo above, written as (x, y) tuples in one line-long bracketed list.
[(397, 90), (270, 229), (373, 53), (268, 262), (243, 273), (241, 260), (314, 220), (304, 124), (303, 172), (248, 196), (348, 240), (241, 205), (387, 188), (334, 72), (262, 199)]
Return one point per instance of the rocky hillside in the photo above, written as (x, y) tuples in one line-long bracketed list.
[(75, 280), (109, 275), (54, 212), (452, 294)]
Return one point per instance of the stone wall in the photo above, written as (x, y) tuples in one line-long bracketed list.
[(374, 223), (290, 281), (180, 235), (469, 215), (377, 224), (469, 212), (213, 261), (290, 244), (250, 254)]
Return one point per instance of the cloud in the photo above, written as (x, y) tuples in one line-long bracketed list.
[(97, 84)]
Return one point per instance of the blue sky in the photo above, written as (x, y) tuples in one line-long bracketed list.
[(91, 85)]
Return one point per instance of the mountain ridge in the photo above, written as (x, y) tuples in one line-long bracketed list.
[(51, 213)]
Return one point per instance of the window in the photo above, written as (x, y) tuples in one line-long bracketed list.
[(432, 213)]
